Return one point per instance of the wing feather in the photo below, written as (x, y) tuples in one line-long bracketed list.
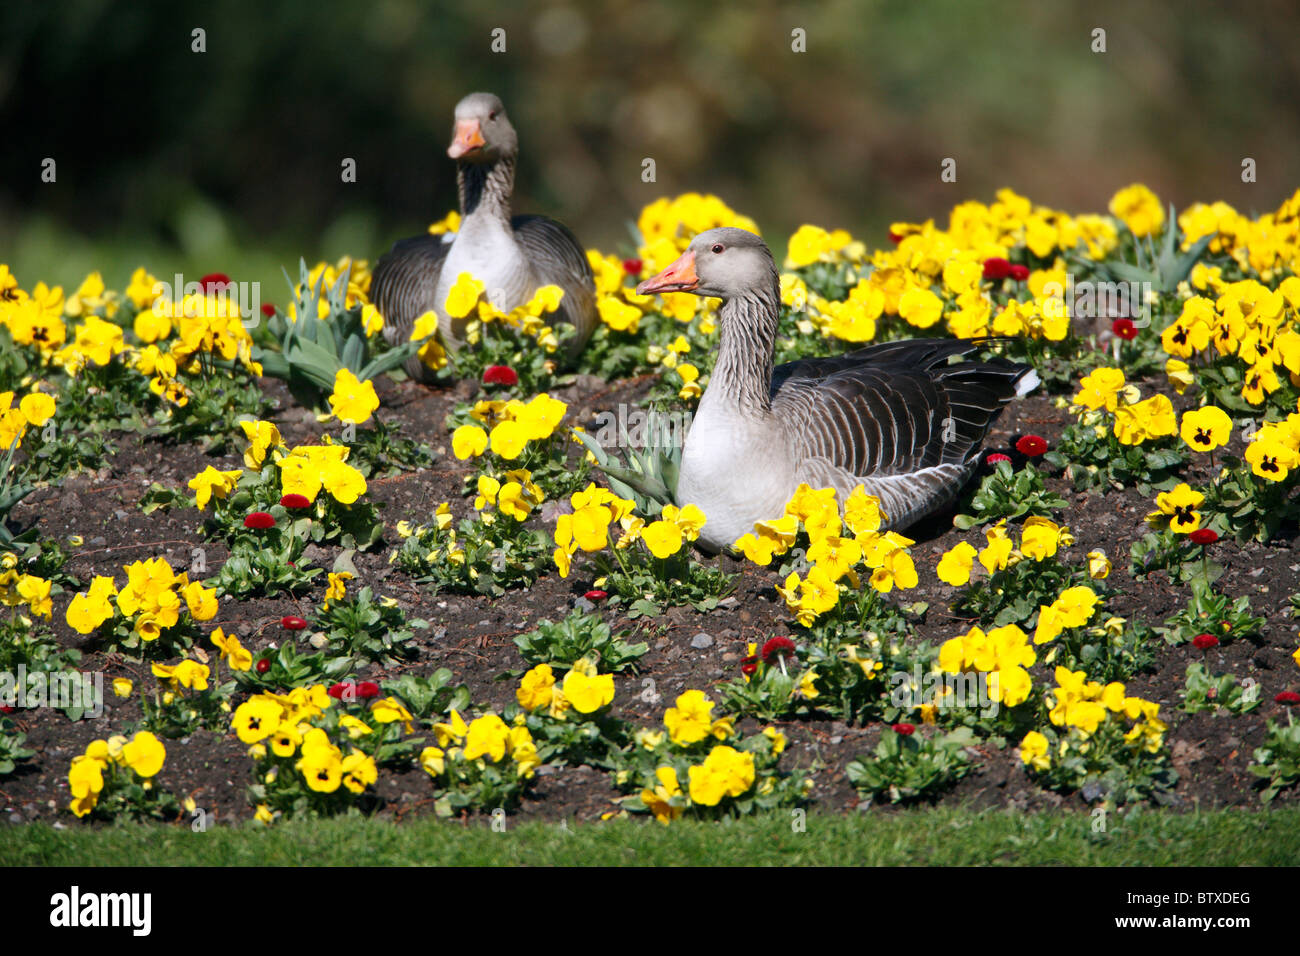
[(557, 258), (402, 288), (899, 418)]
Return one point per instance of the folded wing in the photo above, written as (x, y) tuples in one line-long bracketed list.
[(402, 288), (897, 418), (557, 258)]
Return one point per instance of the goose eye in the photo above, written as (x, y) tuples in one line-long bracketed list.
[(492, 115), (717, 249)]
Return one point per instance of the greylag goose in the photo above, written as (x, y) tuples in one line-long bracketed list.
[(512, 257), (878, 416)]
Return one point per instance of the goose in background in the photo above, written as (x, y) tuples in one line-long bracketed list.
[(897, 418), (511, 256)]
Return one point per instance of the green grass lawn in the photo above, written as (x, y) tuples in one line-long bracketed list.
[(917, 837)]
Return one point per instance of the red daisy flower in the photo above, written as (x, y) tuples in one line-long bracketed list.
[(994, 457), (905, 729), (215, 282), (633, 267), (268, 309), (343, 689), (782, 646), (895, 239), (295, 501), (500, 375), (996, 268), (367, 689), (1204, 536), (749, 665), (1124, 329), (1204, 642), (6, 709), (1031, 446), (263, 665), (1019, 273), (292, 623), (596, 594), (259, 520), (1287, 697)]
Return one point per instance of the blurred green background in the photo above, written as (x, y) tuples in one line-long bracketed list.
[(230, 160)]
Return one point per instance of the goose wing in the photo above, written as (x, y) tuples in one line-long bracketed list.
[(557, 258), (403, 286), (918, 353), (896, 417)]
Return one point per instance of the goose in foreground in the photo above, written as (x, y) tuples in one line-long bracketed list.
[(897, 418), (512, 257)]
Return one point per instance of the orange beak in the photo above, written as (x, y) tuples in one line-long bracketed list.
[(678, 277), (468, 137)]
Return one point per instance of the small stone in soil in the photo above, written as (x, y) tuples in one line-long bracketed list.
[(701, 640), (583, 605)]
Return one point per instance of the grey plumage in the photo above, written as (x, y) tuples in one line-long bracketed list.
[(898, 418), (513, 254), (402, 289), (559, 259)]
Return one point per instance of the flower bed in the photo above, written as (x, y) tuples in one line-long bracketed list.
[(435, 601)]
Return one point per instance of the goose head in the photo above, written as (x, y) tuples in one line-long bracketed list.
[(482, 133), (727, 263)]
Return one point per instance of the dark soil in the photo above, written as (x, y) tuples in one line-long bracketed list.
[(472, 635)]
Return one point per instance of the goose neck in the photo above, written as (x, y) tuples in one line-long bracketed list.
[(746, 339), (485, 188)]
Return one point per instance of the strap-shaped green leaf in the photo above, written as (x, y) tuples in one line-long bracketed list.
[(389, 360), (354, 353)]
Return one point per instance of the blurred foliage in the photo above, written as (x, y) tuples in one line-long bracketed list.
[(230, 159)]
